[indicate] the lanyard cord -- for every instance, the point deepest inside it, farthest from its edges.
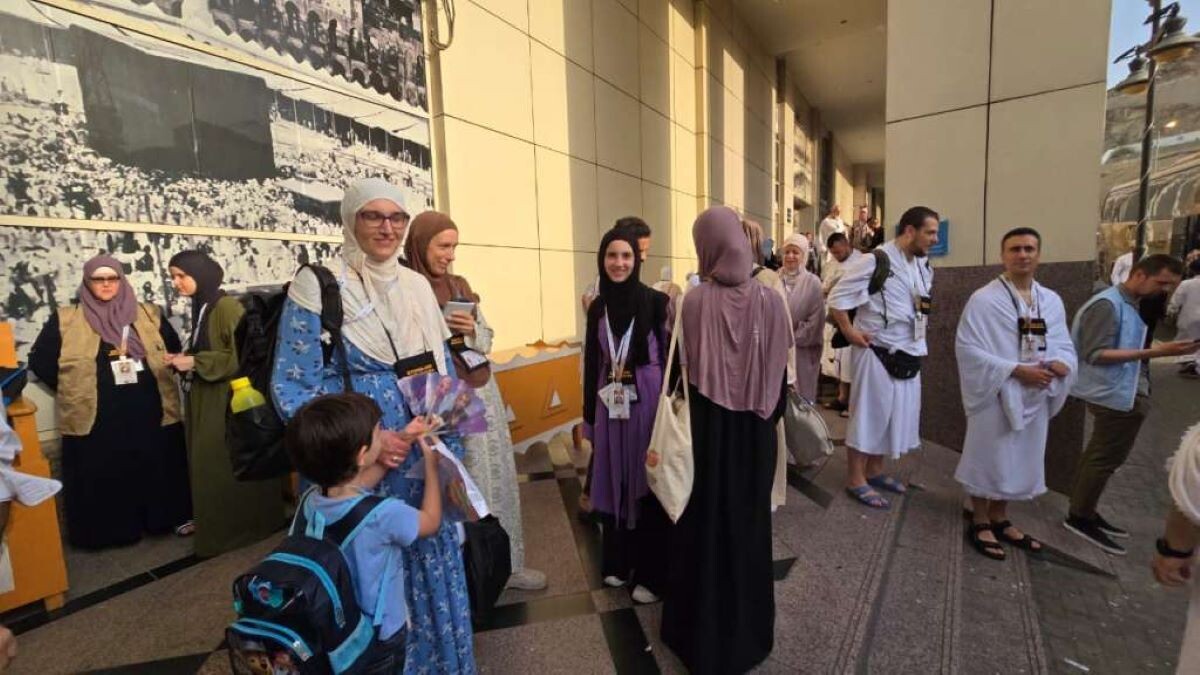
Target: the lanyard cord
(1037, 307)
(619, 354)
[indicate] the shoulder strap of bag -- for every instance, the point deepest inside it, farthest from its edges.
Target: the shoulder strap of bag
(342, 531)
(671, 353)
(333, 316)
(883, 268)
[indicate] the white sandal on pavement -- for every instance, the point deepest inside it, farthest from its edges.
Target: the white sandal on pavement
(527, 579)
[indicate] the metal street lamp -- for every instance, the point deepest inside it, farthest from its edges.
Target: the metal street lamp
(1168, 42)
(1138, 79)
(1174, 43)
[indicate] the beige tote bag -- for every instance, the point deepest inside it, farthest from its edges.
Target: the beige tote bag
(670, 467)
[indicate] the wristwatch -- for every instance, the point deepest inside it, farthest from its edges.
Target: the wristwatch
(1167, 552)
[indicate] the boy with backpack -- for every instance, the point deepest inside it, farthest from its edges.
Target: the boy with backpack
(341, 559)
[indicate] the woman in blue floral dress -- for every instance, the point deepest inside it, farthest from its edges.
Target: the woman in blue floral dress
(392, 327)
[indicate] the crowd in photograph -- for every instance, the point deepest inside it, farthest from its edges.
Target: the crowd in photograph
(743, 346)
(50, 170)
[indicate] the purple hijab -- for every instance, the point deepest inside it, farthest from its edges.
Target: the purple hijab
(110, 318)
(735, 331)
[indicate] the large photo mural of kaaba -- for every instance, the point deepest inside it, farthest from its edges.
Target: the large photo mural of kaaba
(374, 46)
(102, 124)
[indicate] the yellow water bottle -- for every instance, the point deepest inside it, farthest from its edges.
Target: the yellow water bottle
(244, 396)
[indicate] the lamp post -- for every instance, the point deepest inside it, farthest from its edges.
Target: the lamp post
(1167, 43)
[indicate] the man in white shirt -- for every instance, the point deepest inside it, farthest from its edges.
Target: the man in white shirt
(1121, 269)
(1185, 307)
(832, 224)
(887, 342)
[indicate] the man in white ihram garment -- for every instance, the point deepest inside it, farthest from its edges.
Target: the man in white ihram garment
(887, 342)
(1016, 365)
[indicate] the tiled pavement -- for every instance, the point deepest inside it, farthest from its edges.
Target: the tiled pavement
(856, 591)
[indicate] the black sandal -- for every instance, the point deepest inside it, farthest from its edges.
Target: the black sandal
(1025, 543)
(989, 549)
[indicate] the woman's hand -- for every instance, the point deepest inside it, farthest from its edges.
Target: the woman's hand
(395, 449)
(461, 323)
(181, 362)
(415, 429)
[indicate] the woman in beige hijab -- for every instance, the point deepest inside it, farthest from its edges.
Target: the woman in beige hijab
(429, 249)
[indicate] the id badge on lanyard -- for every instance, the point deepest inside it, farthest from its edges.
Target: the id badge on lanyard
(1033, 338)
(125, 370)
(617, 395)
(922, 308)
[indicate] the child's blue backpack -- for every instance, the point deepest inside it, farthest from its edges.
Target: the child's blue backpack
(297, 610)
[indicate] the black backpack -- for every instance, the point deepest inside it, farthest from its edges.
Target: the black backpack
(296, 609)
(883, 269)
(255, 436)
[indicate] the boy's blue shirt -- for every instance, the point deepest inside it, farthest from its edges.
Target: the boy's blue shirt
(374, 555)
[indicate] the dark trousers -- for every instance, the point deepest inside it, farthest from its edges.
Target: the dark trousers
(1113, 435)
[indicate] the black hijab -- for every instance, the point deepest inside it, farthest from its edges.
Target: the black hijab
(623, 302)
(208, 276)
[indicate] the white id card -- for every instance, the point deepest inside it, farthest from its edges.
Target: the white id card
(125, 370)
(472, 358)
(616, 399)
(1033, 348)
(920, 326)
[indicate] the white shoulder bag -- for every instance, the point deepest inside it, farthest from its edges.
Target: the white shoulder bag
(670, 467)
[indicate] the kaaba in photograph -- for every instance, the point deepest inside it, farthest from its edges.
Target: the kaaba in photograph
(156, 112)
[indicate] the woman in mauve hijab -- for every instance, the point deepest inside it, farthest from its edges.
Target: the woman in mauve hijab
(719, 613)
(124, 467)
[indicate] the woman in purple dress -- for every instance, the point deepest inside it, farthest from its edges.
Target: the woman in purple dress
(623, 361)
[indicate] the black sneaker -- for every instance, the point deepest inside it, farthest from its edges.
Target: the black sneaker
(1189, 371)
(1110, 529)
(1089, 530)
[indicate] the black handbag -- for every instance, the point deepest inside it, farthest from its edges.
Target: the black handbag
(13, 381)
(488, 563)
(900, 365)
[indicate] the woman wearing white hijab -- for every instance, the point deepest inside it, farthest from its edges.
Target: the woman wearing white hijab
(806, 306)
(392, 327)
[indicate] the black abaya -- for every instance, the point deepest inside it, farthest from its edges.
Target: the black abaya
(719, 613)
(129, 476)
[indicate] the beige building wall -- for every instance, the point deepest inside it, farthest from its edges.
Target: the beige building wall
(736, 134)
(553, 118)
(1007, 129)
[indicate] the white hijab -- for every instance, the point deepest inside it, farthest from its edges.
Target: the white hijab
(379, 298)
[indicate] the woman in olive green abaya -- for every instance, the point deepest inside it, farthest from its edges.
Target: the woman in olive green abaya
(229, 513)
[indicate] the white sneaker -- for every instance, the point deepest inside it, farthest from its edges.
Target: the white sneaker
(527, 579)
(614, 582)
(643, 596)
